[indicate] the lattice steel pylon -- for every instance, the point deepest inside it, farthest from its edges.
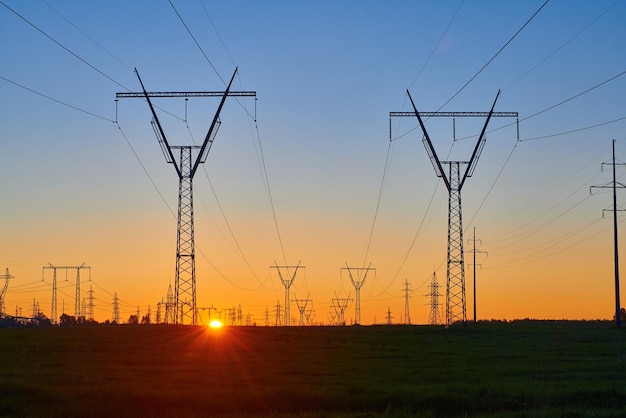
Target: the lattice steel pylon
(287, 282)
(3, 291)
(186, 165)
(434, 317)
(358, 284)
(454, 179)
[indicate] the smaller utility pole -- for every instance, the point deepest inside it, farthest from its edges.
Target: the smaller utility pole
(474, 251)
(614, 185)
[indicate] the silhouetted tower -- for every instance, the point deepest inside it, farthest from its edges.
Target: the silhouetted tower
(53, 310)
(614, 185)
(3, 292)
(308, 314)
(454, 178)
(267, 317)
(186, 165)
(277, 322)
(90, 305)
(357, 283)
(170, 303)
(158, 314)
(116, 309)
(434, 317)
(35, 308)
(287, 282)
(302, 304)
(388, 316)
(407, 291)
(340, 305)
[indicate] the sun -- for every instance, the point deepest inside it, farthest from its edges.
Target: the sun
(216, 323)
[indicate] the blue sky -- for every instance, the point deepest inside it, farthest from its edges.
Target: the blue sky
(326, 74)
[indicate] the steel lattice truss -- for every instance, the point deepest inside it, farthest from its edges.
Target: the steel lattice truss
(185, 283)
(455, 287)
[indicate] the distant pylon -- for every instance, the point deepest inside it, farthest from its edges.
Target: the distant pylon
(340, 305)
(170, 303)
(277, 322)
(53, 311)
(116, 309)
(434, 317)
(358, 283)
(90, 305)
(388, 316)
(407, 291)
(3, 292)
(287, 282)
(302, 307)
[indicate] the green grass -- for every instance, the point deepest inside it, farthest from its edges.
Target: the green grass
(520, 369)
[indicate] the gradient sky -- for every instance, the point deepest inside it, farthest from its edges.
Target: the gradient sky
(326, 74)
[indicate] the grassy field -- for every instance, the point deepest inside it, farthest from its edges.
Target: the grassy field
(519, 369)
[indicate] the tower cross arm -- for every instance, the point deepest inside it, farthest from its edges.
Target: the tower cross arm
(185, 94)
(455, 114)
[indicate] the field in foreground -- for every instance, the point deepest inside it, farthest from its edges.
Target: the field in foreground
(519, 369)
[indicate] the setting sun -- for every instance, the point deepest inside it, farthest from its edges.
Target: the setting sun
(216, 323)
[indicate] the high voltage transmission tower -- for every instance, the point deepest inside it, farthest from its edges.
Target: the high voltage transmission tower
(186, 164)
(358, 283)
(287, 282)
(434, 317)
(407, 291)
(340, 305)
(302, 308)
(454, 178)
(53, 310)
(90, 305)
(614, 185)
(474, 251)
(3, 292)
(115, 318)
(388, 316)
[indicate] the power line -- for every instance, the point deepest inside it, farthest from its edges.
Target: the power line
(196, 41)
(563, 44)
(87, 36)
(56, 100)
(574, 130)
(494, 57)
(217, 33)
(438, 43)
(63, 46)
